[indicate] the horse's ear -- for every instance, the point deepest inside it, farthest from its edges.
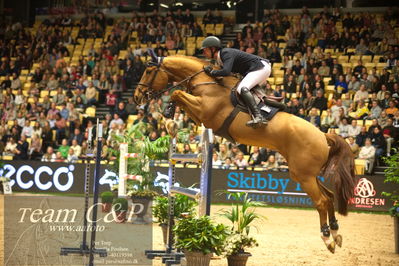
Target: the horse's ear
(154, 57)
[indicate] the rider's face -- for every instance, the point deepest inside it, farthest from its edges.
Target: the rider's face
(207, 52)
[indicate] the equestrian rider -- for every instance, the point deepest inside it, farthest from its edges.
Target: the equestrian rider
(254, 69)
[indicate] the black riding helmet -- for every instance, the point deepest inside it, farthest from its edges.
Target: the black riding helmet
(211, 41)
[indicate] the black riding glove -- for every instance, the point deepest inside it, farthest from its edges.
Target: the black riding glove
(208, 70)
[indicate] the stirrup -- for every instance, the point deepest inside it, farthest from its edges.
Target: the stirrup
(257, 122)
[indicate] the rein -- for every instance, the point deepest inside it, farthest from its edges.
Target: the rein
(149, 95)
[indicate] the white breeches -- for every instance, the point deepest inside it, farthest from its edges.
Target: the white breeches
(255, 77)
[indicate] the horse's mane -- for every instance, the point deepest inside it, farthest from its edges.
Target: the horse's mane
(226, 80)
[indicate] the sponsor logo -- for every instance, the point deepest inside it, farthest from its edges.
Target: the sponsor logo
(109, 178)
(43, 177)
(364, 195)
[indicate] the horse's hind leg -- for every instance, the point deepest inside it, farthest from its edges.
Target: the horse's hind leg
(331, 214)
(321, 202)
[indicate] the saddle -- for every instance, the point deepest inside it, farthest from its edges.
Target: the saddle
(269, 106)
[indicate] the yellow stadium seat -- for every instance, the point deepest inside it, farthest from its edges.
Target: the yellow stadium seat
(355, 58)
(343, 59)
(330, 88)
(193, 147)
(91, 111)
(10, 123)
(44, 93)
(369, 65)
(131, 118)
(381, 65)
(350, 50)
(366, 58)
(376, 58)
(190, 50)
(181, 52)
(279, 80)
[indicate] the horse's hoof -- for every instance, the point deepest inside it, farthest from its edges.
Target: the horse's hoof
(331, 247)
(338, 240)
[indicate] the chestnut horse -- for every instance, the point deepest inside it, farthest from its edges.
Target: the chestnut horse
(308, 151)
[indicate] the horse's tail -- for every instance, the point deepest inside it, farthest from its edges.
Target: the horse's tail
(340, 166)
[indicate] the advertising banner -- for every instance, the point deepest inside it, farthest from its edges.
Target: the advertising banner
(277, 189)
(36, 176)
(273, 188)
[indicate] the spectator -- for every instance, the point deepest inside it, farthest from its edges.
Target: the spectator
(22, 149)
(228, 164)
(324, 70)
(328, 121)
(340, 85)
(353, 85)
(390, 134)
(35, 150)
(367, 153)
(111, 100)
(271, 164)
(76, 135)
(72, 157)
(60, 127)
(354, 129)
(392, 109)
(320, 101)
(314, 117)
(256, 158)
(216, 162)
(375, 110)
(361, 94)
(361, 111)
(120, 110)
(354, 147)
(378, 141)
(76, 148)
(27, 130)
(91, 94)
(240, 161)
(59, 158)
(64, 148)
(344, 128)
(49, 156)
(10, 147)
(131, 107)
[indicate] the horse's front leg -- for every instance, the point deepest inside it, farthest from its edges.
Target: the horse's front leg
(191, 104)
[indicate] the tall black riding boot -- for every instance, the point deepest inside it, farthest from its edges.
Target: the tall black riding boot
(169, 111)
(249, 100)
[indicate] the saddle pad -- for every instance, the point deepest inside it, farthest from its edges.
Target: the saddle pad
(267, 111)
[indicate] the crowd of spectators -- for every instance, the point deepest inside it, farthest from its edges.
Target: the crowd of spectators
(47, 120)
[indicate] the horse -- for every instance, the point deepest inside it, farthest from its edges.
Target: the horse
(309, 152)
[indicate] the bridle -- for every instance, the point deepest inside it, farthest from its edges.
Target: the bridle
(149, 95)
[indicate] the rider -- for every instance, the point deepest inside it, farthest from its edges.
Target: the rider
(254, 69)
